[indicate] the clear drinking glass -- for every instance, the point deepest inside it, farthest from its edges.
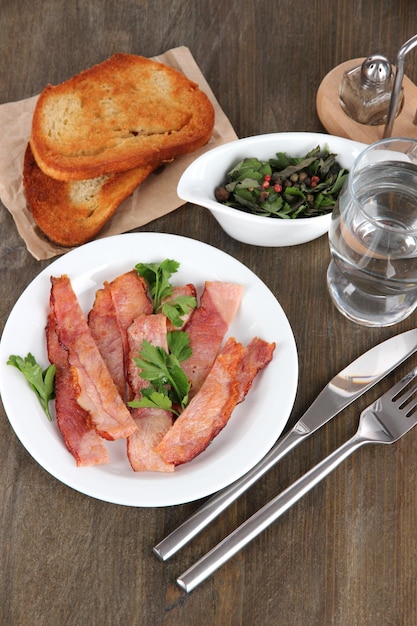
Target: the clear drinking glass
(372, 277)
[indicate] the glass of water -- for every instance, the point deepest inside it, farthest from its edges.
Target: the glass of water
(372, 277)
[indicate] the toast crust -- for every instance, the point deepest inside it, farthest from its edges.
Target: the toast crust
(125, 112)
(70, 213)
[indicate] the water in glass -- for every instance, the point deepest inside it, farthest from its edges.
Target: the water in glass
(372, 277)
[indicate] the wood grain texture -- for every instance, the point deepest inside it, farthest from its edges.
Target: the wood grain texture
(337, 122)
(345, 554)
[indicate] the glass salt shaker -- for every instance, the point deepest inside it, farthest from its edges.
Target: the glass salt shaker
(365, 91)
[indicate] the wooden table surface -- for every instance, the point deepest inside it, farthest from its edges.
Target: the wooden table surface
(346, 553)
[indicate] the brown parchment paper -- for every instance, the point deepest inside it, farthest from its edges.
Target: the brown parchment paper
(155, 197)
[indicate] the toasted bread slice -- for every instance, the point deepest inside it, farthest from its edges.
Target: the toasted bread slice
(73, 212)
(120, 114)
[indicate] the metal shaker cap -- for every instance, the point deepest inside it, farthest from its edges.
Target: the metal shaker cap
(376, 69)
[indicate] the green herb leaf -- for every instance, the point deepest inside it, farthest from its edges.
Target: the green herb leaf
(157, 277)
(153, 400)
(177, 308)
(163, 370)
(179, 344)
(41, 381)
(338, 183)
(295, 167)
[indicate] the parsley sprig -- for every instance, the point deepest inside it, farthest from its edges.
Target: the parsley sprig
(157, 276)
(41, 381)
(169, 386)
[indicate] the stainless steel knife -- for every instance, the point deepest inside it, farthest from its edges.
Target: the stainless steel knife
(344, 388)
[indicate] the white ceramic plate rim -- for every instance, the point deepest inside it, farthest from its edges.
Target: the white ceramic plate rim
(255, 424)
(201, 177)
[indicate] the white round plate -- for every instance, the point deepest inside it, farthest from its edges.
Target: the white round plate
(255, 424)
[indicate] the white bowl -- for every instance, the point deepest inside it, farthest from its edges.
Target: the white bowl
(200, 179)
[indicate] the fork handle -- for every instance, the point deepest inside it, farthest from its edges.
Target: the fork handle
(219, 502)
(254, 525)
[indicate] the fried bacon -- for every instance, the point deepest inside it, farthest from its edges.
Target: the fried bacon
(97, 372)
(115, 307)
(94, 387)
(226, 385)
(218, 306)
(208, 411)
(130, 300)
(152, 424)
(86, 446)
(258, 353)
(105, 331)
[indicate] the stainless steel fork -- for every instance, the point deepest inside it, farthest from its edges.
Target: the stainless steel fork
(384, 421)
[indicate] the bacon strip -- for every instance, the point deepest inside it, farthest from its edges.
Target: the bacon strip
(95, 389)
(258, 353)
(152, 424)
(105, 331)
(86, 446)
(209, 410)
(130, 300)
(218, 306)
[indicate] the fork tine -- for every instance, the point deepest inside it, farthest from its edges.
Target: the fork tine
(406, 396)
(409, 403)
(397, 391)
(395, 411)
(411, 410)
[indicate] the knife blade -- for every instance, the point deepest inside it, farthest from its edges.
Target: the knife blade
(348, 385)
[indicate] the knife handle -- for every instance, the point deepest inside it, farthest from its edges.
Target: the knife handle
(260, 520)
(219, 502)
